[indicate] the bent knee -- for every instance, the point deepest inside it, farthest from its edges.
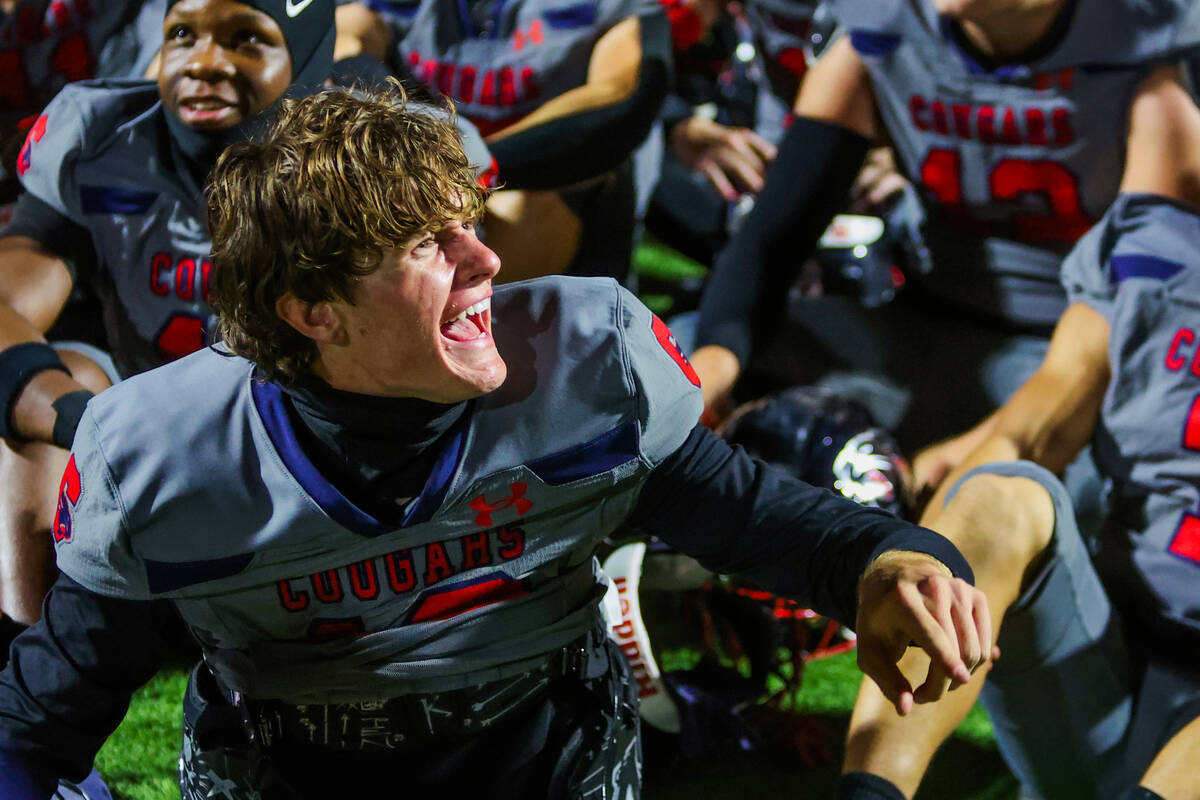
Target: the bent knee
(1001, 523)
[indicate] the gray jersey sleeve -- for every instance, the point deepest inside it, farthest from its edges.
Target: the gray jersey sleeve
(667, 386)
(46, 161)
(1141, 235)
(91, 537)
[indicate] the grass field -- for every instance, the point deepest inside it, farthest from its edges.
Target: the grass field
(139, 761)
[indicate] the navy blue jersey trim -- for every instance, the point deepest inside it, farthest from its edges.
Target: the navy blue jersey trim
(438, 482)
(874, 43)
(1122, 268)
(113, 200)
(606, 452)
(580, 15)
(166, 576)
(268, 399)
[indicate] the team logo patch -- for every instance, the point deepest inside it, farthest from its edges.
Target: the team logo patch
(516, 499)
(68, 496)
(667, 340)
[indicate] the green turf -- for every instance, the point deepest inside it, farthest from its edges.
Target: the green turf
(139, 760)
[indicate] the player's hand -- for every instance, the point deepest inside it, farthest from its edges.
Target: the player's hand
(718, 369)
(908, 598)
(931, 465)
(877, 181)
(733, 159)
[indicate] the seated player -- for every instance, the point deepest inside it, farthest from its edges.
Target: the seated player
(1098, 690)
(113, 174)
(563, 93)
(1012, 119)
(382, 532)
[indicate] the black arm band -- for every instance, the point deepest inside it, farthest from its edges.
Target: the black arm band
(809, 181)
(583, 145)
(865, 786)
(19, 365)
(70, 410)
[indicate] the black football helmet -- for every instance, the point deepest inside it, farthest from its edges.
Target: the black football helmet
(826, 440)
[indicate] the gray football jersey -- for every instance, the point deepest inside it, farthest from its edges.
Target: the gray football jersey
(1014, 163)
(296, 593)
(95, 156)
(1140, 268)
(498, 60)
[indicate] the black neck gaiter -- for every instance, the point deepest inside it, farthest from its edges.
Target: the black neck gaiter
(377, 450)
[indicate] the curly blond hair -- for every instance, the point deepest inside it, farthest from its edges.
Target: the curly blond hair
(308, 210)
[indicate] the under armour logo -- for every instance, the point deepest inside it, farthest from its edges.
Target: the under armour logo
(515, 500)
(293, 8)
(533, 37)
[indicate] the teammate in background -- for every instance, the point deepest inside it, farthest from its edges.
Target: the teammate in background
(1099, 687)
(113, 174)
(382, 534)
(724, 116)
(1013, 120)
(44, 45)
(563, 93)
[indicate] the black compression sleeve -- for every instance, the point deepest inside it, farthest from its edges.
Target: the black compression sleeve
(736, 515)
(806, 185)
(72, 675)
(591, 142)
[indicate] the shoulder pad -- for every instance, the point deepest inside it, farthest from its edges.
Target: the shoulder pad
(1151, 30)
(77, 125)
(1141, 236)
(91, 537)
(592, 341)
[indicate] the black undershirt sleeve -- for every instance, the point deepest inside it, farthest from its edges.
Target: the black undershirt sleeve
(809, 181)
(592, 142)
(69, 681)
(735, 514)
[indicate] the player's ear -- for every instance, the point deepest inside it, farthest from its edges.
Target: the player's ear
(317, 321)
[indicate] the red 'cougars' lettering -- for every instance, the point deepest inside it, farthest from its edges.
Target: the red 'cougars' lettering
(467, 83)
(434, 563)
(1183, 351)
(184, 276)
(993, 124)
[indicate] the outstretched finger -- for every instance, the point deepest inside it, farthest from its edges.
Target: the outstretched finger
(983, 622)
(716, 176)
(970, 648)
(935, 635)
